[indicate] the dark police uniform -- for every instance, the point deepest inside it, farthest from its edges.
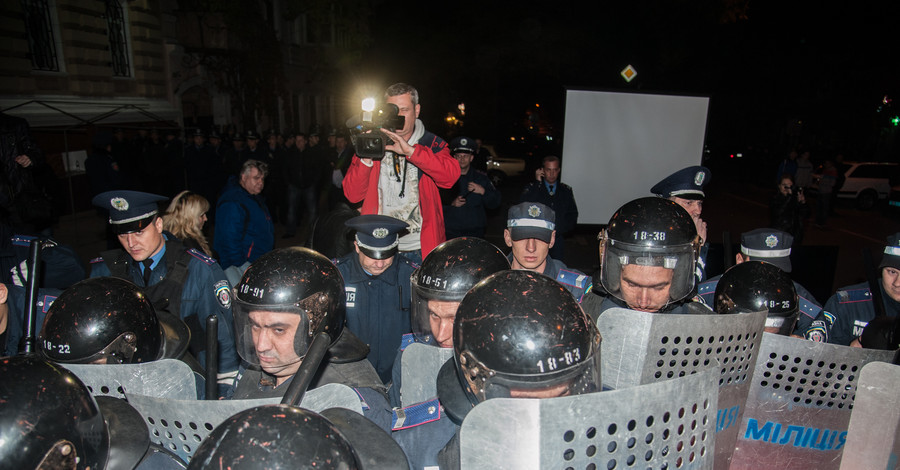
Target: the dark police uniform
(186, 283)
(470, 219)
(773, 247)
(851, 308)
(377, 306)
(561, 199)
(687, 183)
(422, 431)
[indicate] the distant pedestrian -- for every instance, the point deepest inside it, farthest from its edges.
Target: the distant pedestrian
(827, 184)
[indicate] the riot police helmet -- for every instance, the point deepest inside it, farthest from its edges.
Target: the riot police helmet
(649, 236)
(275, 436)
(109, 320)
(753, 286)
(443, 279)
(519, 334)
(48, 418)
(298, 291)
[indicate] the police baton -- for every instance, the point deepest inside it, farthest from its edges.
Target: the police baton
(872, 277)
(26, 346)
(212, 357)
(308, 368)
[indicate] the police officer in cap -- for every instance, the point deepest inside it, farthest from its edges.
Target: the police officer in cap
(851, 308)
(184, 282)
(755, 286)
(473, 193)
(685, 187)
(531, 233)
(377, 285)
(648, 256)
(773, 247)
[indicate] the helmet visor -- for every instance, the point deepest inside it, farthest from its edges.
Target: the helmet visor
(671, 267)
(273, 337)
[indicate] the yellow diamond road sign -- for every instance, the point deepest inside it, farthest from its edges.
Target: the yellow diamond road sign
(628, 73)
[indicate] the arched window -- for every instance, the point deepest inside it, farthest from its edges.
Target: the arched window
(43, 35)
(117, 31)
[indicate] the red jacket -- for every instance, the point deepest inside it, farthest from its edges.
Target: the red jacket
(438, 169)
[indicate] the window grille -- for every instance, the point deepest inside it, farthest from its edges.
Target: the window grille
(41, 41)
(118, 42)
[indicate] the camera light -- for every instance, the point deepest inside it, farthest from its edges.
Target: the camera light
(368, 104)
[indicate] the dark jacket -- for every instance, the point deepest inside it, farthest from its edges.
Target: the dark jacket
(244, 229)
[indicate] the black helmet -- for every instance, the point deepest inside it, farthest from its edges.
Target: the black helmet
(291, 280)
(275, 436)
(650, 231)
(48, 418)
(519, 334)
(112, 319)
(447, 273)
(753, 286)
(881, 333)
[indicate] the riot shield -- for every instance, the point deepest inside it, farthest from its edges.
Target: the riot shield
(669, 424)
(181, 425)
(799, 405)
(165, 378)
(872, 437)
(640, 348)
(420, 365)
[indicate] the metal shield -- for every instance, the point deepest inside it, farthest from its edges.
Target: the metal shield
(669, 424)
(873, 440)
(181, 425)
(165, 378)
(799, 406)
(420, 365)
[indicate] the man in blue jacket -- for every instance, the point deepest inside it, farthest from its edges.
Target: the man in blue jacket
(244, 229)
(473, 193)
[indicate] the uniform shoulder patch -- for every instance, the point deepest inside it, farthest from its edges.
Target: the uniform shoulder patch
(416, 415)
(21, 240)
(854, 295)
(406, 340)
(223, 293)
(96, 260)
(707, 287)
(408, 262)
(206, 259)
(572, 278)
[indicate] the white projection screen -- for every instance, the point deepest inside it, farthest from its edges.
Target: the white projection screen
(617, 145)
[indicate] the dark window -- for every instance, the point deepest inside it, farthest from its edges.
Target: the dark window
(41, 43)
(118, 43)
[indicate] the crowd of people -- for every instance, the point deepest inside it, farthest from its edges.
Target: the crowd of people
(415, 269)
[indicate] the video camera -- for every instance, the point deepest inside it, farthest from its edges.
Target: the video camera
(365, 129)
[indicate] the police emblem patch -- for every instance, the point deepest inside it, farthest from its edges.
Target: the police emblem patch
(119, 203)
(699, 177)
(223, 293)
(380, 232)
(534, 211)
(464, 141)
(771, 241)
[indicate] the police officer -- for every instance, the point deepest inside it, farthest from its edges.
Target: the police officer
(438, 286)
(283, 299)
(506, 331)
(850, 309)
(470, 196)
(648, 256)
(50, 420)
(754, 286)
(774, 247)
(377, 285)
(107, 320)
(685, 187)
(547, 189)
(531, 233)
(186, 283)
(282, 436)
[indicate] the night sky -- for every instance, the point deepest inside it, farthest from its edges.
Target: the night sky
(765, 65)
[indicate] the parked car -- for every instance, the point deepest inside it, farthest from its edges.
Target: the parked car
(500, 168)
(865, 182)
